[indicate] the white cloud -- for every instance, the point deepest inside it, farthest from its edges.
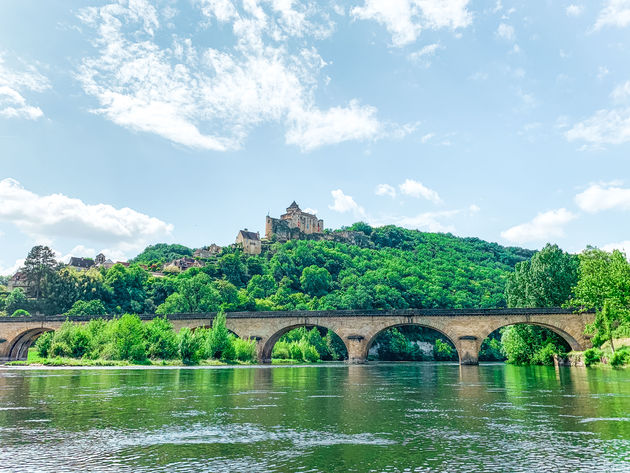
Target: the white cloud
(623, 246)
(615, 13)
(543, 227)
(11, 270)
(385, 189)
(429, 221)
(309, 210)
(425, 138)
(417, 189)
(574, 10)
(208, 98)
(621, 93)
(602, 71)
(422, 56)
(604, 127)
(13, 84)
(46, 217)
(405, 19)
(506, 32)
(345, 203)
(473, 208)
(600, 197)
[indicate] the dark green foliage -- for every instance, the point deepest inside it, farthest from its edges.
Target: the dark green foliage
(315, 281)
(592, 356)
(402, 344)
(302, 344)
(38, 265)
(491, 349)
(128, 338)
(162, 253)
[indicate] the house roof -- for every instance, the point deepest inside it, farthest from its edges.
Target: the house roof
(81, 262)
(249, 235)
(293, 206)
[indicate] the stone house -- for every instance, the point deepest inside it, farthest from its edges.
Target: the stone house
(249, 241)
(18, 280)
(207, 251)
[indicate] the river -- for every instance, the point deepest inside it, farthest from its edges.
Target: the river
(416, 417)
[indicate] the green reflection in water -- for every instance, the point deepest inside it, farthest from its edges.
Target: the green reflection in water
(378, 417)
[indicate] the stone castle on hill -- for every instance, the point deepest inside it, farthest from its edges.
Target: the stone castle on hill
(293, 224)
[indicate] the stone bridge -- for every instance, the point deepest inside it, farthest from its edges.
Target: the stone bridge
(465, 328)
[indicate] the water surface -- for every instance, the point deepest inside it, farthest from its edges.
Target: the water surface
(423, 417)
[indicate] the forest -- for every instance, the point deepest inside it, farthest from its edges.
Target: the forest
(400, 269)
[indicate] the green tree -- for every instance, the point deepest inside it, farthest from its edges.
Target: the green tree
(189, 345)
(544, 281)
(161, 340)
(87, 308)
(38, 265)
(604, 285)
(16, 300)
(128, 338)
(218, 344)
(315, 281)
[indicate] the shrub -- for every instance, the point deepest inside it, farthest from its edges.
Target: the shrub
(245, 350)
(218, 344)
(43, 343)
(127, 338)
(592, 356)
(620, 357)
(545, 355)
(59, 348)
(189, 346)
(161, 339)
(20, 313)
(295, 351)
(309, 353)
(443, 350)
(281, 351)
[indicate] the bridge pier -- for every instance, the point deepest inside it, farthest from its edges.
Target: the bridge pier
(468, 347)
(357, 349)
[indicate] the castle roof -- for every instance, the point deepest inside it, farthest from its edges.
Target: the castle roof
(294, 206)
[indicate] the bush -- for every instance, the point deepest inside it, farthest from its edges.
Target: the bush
(281, 351)
(59, 348)
(127, 338)
(189, 346)
(309, 353)
(545, 356)
(218, 343)
(620, 357)
(94, 307)
(592, 356)
(245, 350)
(443, 350)
(20, 313)
(43, 343)
(161, 339)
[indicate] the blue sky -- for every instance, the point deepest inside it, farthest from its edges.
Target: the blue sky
(126, 123)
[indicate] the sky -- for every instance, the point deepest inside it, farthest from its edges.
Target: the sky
(125, 123)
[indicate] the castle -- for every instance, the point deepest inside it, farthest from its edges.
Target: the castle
(293, 224)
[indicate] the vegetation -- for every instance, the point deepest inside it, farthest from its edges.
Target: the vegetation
(127, 338)
(303, 345)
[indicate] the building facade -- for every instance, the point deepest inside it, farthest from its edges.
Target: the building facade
(293, 224)
(249, 241)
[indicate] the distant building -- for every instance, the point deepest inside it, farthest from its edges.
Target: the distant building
(81, 263)
(184, 263)
(207, 251)
(18, 280)
(102, 262)
(293, 224)
(249, 241)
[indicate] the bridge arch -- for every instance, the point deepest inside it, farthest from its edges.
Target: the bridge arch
(569, 338)
(18, 347)
(267, 345)
(372, 338)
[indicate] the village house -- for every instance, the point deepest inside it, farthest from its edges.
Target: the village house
(249, 242)
(18, 280)
(184, 263)
(80, 263)
(207, 251)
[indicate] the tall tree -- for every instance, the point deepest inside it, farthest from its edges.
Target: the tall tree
(39, 265)
(604, 285)
(544, 281)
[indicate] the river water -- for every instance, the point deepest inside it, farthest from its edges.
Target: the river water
(421, 417)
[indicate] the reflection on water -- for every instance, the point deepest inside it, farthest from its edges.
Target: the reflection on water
(425, 417)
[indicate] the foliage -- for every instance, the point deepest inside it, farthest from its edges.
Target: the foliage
(189, 346)
(16, 300)
(444, 351)
(315, 281)
(491, 349)
(43, 343)
(128, 338)
(94, 307)
(244, 350)
(162, 253)
(544, 281)
(219, 344)
(621, 357)
(21, 313)
(38, 265)
(529, 344)
(161, 339)
(592, 356)
(604, 285)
